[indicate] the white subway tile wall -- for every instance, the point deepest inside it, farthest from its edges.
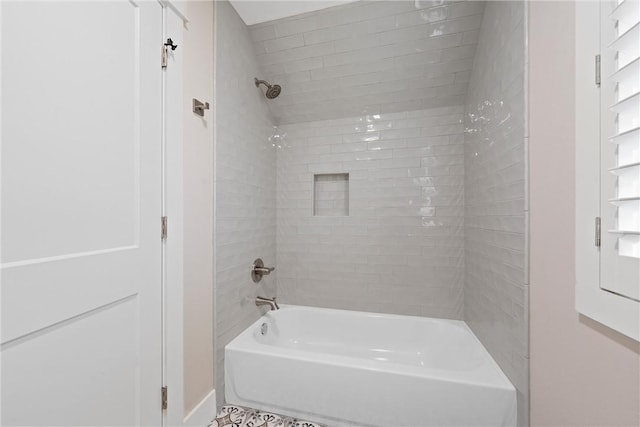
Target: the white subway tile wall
(245, 184)
(400, 249)
(369, 57)
(496, 291)
(331, 194)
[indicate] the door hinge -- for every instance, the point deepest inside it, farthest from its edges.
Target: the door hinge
(598, 72)
(164, 397)
(164, 228)
(598, 232)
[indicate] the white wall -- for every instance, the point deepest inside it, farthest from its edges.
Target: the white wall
(253, 12)
(495, 290)
(582, 373)
(245, 183)
(198, 205)
(400, 249)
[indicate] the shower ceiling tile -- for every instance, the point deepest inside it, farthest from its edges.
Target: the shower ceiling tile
(369, 58)
(283, 43)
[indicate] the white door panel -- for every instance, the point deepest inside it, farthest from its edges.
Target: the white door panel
(71, 118)
(81, 206)
(31, 294)
(103, 385)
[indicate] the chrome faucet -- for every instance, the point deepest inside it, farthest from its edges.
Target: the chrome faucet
(271, 302)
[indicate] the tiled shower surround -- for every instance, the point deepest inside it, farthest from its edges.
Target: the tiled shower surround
(400, 249)
(421, 103)
(245, 184)
(496, 291)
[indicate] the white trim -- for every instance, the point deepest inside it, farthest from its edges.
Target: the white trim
(173, 283)
(203, 413)
(1, 103)
(177, 7)
(614, 311)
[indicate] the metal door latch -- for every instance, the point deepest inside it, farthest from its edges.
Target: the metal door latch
(171, 44)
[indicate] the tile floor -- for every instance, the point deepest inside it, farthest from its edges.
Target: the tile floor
(237, 416)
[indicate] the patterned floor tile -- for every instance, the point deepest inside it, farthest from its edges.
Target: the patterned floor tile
(233, 416)
(237, 416)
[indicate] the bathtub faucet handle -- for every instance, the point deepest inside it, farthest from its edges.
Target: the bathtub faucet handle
(258, 270)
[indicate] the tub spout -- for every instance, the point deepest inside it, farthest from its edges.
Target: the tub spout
(271, 302)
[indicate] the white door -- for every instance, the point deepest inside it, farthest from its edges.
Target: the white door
(81, 205)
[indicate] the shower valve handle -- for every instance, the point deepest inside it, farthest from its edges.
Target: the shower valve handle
(258, 270)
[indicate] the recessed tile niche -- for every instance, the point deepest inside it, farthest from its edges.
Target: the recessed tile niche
(331, 194)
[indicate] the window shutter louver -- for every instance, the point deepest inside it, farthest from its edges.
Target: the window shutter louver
(620, 147)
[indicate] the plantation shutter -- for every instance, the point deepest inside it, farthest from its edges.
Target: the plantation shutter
(620, 147)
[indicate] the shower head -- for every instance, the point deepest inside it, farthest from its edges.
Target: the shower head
(272, 90)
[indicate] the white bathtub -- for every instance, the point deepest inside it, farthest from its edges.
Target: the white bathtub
(351, 368)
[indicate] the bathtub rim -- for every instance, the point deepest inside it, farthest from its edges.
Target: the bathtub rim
(245, 342)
